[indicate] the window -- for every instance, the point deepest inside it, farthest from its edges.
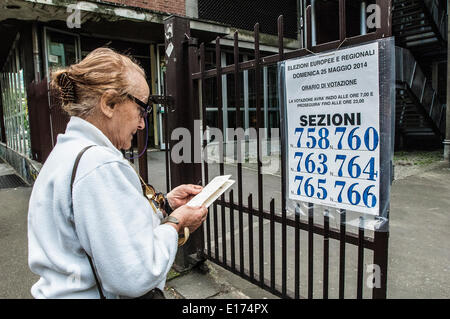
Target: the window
(62, 49)
(14, 101)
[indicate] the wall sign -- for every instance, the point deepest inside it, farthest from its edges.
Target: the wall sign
(333, 128)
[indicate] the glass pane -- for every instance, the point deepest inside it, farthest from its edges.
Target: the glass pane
(272, 87)
(61, 50)
(210, 97)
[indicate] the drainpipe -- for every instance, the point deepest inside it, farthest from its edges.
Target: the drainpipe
(363, 27)
(37, 67)
(447, 125)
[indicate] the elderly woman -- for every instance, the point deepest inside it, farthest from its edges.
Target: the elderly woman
(102, 236)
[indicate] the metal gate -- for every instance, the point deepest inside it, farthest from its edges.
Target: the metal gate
(244, 235)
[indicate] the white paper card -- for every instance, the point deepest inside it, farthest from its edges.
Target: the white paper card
(212, 191)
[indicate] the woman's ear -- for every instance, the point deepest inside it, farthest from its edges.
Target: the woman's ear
(107, 102)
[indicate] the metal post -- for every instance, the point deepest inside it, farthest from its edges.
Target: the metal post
(380, 259)
(363, 18)
(154, 82)
(141, 138)
(182, 61)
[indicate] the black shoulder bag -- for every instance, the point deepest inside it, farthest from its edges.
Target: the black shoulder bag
(152, 294)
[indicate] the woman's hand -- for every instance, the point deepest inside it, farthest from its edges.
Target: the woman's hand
(191, 217)
(182, 194)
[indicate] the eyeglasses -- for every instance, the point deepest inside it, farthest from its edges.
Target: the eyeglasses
(144, 108)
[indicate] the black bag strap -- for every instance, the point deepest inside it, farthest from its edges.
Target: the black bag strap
(74, 172)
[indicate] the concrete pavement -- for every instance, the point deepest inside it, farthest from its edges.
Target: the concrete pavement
(419, 245)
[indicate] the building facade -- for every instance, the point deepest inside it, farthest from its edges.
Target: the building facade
(41, 35)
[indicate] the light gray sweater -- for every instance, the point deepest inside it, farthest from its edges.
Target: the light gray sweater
(111, 220)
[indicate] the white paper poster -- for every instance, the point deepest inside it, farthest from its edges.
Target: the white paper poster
(333, 111)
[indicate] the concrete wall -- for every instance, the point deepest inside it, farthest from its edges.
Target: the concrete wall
(25, 167)
(169, 6)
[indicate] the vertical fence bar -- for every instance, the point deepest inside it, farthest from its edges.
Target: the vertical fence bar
(232, 248)
(326, 251)
(359, 289)
(239, 146)
(280, 26)
(219, 106)
(297, 254)
(241, 242)
(208, 234)
(237, 96)
(342, 21)
(258, 149)
(205, 142)
(310, 249)
(203, 84)
(216, 234)
(220, 125)
(237, 99)
(261, 247)
(224, 235)
(250, 236)
(283, 171)
(272, 245)
(283, 252)
(342, 232)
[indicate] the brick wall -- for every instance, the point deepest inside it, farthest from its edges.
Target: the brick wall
(169, 6)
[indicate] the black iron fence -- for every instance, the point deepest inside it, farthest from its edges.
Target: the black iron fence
(252, 239)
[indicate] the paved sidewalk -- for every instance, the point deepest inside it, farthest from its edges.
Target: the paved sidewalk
(419, 246)
(218, 283)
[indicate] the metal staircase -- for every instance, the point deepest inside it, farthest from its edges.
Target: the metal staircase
(418, 109)
(420, 30)
(420, 26)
